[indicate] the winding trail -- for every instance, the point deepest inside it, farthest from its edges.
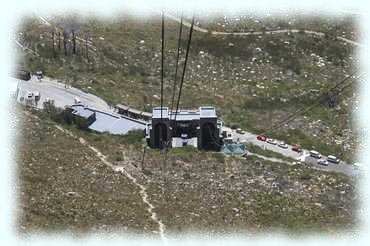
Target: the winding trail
(273, 159)
(251, 33)
(143, 191)
(254, 33)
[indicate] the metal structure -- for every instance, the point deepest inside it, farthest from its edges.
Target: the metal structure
(200, 128)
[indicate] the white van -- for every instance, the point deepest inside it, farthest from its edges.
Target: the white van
(37, 95)
(315, 154)
(77, 100)
(333, 159)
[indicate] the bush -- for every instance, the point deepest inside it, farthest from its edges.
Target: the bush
(56, 114)
(133, 137)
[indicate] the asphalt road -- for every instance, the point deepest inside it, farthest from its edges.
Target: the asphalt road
(304, 156)
(58, 92)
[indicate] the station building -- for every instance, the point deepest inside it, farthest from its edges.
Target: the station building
(199, 128)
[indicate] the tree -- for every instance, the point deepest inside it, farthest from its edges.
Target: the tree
(65, 37)
(73, 42)
(59, 42)
(53, 41)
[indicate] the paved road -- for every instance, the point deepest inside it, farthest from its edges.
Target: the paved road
(61, 95)
(304, 157)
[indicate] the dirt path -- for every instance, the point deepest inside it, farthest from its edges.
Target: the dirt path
(121, 169)
(273, 159)
(280, 31)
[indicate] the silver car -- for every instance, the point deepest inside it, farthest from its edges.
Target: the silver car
(271, 141)
(283, 145)
(323, 162)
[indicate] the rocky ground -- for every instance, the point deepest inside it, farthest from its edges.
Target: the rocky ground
(195, 191)
(64, 186)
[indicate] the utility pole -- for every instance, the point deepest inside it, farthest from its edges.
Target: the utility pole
(53, 41)
(65, 43)
(58, 41)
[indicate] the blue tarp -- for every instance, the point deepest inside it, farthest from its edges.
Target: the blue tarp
(234, 149)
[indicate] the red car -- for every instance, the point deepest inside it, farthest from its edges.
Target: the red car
(297, 148)
(261, 137)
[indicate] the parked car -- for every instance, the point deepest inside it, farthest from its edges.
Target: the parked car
(271, 141)
(296, 148)
(315, 154)
(29, 95)
(39, 74)
(333, 159)
(240, 131)
(77, 100)
(283, 145)
(37, 95)
(261, 137)
(323, 162)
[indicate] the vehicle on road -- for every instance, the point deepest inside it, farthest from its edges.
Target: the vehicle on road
(240, 131)
(39, 74)
(261, 137)
(283, 145)
(323, 162)
(37, 95)
(315, 154)
(296, 148)
(333, 159)
(271, 141)
(29, 95)
(77, 100)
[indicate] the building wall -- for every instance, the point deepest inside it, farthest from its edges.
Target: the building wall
(155, 133)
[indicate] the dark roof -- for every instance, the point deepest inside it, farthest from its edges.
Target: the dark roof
(121, 106)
